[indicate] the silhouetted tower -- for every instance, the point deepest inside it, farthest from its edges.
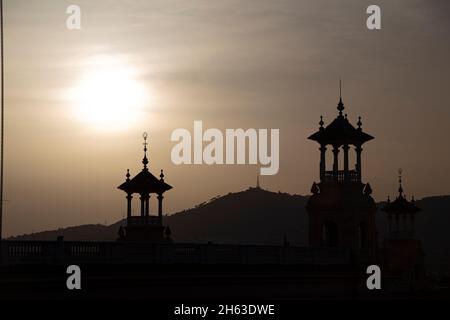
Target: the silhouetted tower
(403, 253)
(145, 227)
(401, 214)
(341, 209)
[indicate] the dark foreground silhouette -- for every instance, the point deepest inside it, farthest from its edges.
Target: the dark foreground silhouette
(267, 218)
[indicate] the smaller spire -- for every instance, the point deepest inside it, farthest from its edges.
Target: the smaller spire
(128, 175)
(315, 189)
(368, 189)
(359, 123)
(400, 188)
(321, 123)
(161, 176)
(340, 106)
(145, 160)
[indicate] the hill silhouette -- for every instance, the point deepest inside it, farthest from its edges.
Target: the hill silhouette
(254, 216)
(85, 232)
(258, 216)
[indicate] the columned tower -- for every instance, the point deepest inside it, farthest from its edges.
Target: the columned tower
(144, 227)
(402, 251)
(341, 209)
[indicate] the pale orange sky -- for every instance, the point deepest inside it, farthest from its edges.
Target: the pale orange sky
(231, 64)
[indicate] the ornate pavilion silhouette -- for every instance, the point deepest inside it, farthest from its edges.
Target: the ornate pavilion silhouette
(402, 251)
(403, 213)
(144, 227)
(341, 209)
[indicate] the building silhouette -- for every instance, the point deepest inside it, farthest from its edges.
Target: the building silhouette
(144, 227)
(342, 240)
(401, 214)
(341, 209)
(402, 252)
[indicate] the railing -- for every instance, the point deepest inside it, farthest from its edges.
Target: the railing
(143, 220)
(351, 174)
(64, 252)
(26, 249)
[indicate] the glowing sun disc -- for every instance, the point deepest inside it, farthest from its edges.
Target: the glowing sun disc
(109, 98)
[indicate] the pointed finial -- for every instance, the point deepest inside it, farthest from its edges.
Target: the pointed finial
(359, 124)
(340, 106)
(162, 175)
(314, 188)
(321, 123)
(128, 175)
(145, 160)
(145, 135)
(368, 189)
(400, 188)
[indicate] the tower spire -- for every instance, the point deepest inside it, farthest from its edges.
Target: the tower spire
(145, 160)
(340, 106)
(258, 186)
(359, 124)
(400, 188)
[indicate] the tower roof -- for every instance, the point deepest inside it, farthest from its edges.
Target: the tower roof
(401, 204)
(340, 131)
(144, 181)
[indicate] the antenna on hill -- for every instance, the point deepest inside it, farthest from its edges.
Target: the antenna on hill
(258, 185)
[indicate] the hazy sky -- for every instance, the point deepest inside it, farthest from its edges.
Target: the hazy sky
(231, 64)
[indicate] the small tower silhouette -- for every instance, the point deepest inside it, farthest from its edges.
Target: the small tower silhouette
(341, 208)
(401, 214)
(144, 227)
(402, 251)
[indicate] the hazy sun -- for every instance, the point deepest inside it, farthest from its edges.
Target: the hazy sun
(108, 97)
